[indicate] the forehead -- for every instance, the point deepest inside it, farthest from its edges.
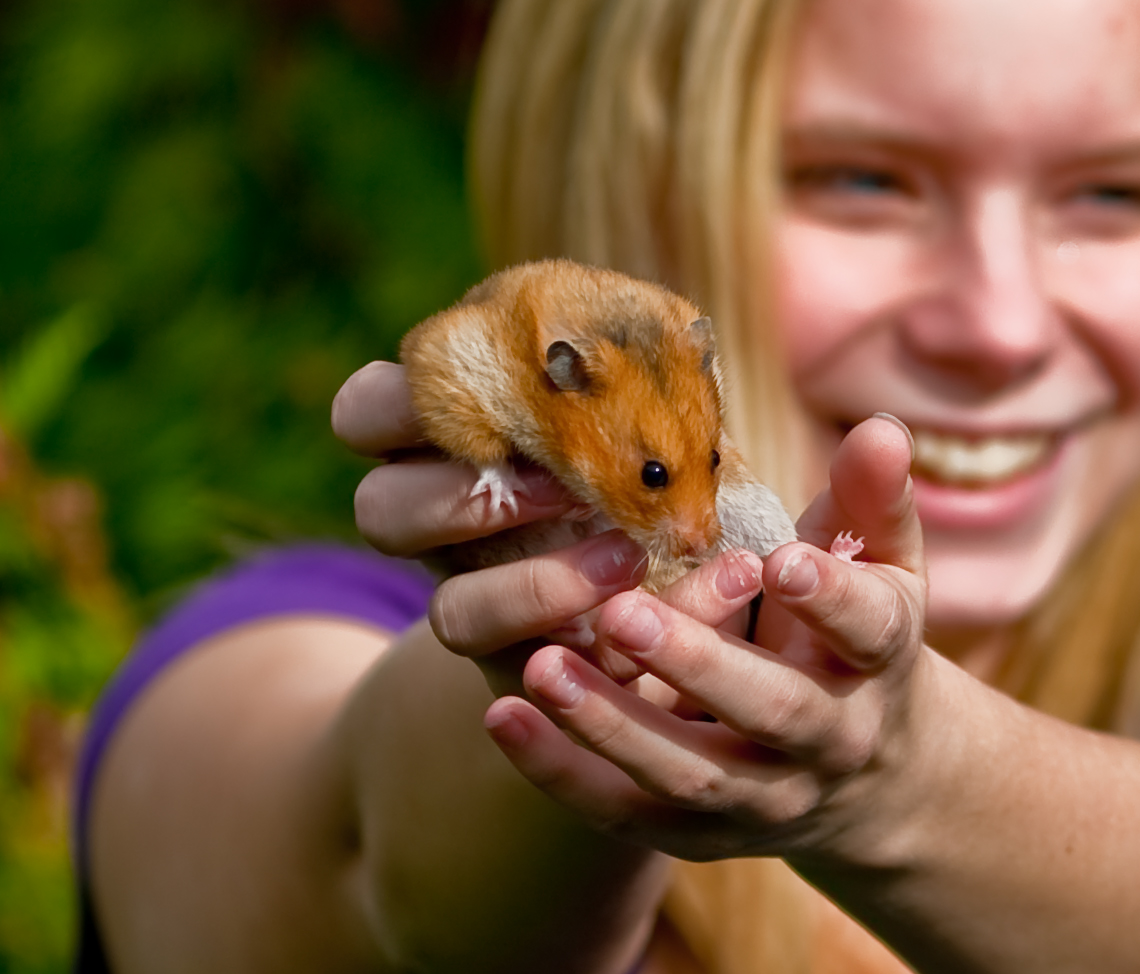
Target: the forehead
(984, 72)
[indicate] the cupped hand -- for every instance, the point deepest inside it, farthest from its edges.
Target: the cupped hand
(417, 502)
(800, 735)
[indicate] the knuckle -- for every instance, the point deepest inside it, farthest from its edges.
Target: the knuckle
(448, 617)
(346, 404)
(694, 665)
(702, 785)
(553, 778)
(338, 412)
(342, 411)
(784, 713)
(608, 731)
(794, 803)
(895, 631)
(844, 594)
(372, 508)
(873, 615)
(545, 592)
(852, 752)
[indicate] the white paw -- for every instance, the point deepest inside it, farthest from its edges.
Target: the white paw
(501, 485)
(845, 548)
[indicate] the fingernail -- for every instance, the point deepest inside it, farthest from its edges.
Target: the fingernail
(611, 559)
(637, 628)
(901, 425)
(799, 576)
(559, 685)
(542, 489)
(739, 575)
(506, 729)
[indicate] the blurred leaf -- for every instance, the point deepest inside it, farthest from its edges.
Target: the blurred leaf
(36, 383)
(237, 214)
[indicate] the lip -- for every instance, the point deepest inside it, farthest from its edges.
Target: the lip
(990, 507)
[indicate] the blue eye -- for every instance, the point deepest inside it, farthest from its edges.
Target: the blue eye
(654, 474)
(864, 181)
(1110, 195)
(850, 179)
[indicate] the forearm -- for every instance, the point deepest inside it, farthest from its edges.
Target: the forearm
(1011, 844)
(465, 865)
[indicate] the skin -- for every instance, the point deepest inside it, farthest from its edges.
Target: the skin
(970, 833)
(958, 251)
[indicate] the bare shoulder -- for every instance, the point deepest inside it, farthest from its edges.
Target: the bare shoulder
(221, 831)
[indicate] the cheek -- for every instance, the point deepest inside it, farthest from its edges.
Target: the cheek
(831, 287)
(1100, 292)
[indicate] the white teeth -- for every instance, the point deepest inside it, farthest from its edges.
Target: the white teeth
(954, 459)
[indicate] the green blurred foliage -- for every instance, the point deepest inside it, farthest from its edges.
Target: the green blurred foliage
(219, 220)
(212, 216)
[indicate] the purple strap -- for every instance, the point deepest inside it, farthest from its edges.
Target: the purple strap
(313, 579)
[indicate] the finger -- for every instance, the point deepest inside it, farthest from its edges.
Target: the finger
(405, 509)
(753, 691)
(372, 413)
(694, 765)
(483, 611)
(716, 591)
(868, 615)
(871, 495)
(711, 594)
(582, 781)
(602, 794)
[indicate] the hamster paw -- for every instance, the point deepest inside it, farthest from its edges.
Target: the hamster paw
(845, 548)
(501, 485)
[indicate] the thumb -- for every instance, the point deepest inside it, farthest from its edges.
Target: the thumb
(871, 495)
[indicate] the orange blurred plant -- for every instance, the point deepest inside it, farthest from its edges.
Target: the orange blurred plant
(64, 625)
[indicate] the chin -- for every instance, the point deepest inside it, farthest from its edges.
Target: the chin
(989, 585)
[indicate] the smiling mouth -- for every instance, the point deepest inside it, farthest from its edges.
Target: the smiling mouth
(979, 461)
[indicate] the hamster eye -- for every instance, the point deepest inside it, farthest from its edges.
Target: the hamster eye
(715, 460)
(654, 474)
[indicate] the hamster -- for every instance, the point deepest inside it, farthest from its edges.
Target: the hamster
(613, 386)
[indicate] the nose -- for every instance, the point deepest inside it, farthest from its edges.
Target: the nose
(989, 323)
(694, 536)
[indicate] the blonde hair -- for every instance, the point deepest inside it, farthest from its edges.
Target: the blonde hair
(643, 135)
(636, 135)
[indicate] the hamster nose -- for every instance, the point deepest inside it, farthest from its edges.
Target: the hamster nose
(692, 540)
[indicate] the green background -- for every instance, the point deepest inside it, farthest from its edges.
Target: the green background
(212, 213)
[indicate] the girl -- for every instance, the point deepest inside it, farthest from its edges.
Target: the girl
(923, 207)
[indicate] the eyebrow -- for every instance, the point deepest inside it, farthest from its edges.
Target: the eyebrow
(892, 140)
(884, 139)
(852, 132)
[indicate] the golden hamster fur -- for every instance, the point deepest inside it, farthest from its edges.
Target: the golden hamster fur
(610, 383)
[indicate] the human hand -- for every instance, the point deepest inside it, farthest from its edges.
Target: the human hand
(811, 724)
(418, 502)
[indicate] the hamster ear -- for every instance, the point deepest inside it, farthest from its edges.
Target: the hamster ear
(701, 332)
(567, 368)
